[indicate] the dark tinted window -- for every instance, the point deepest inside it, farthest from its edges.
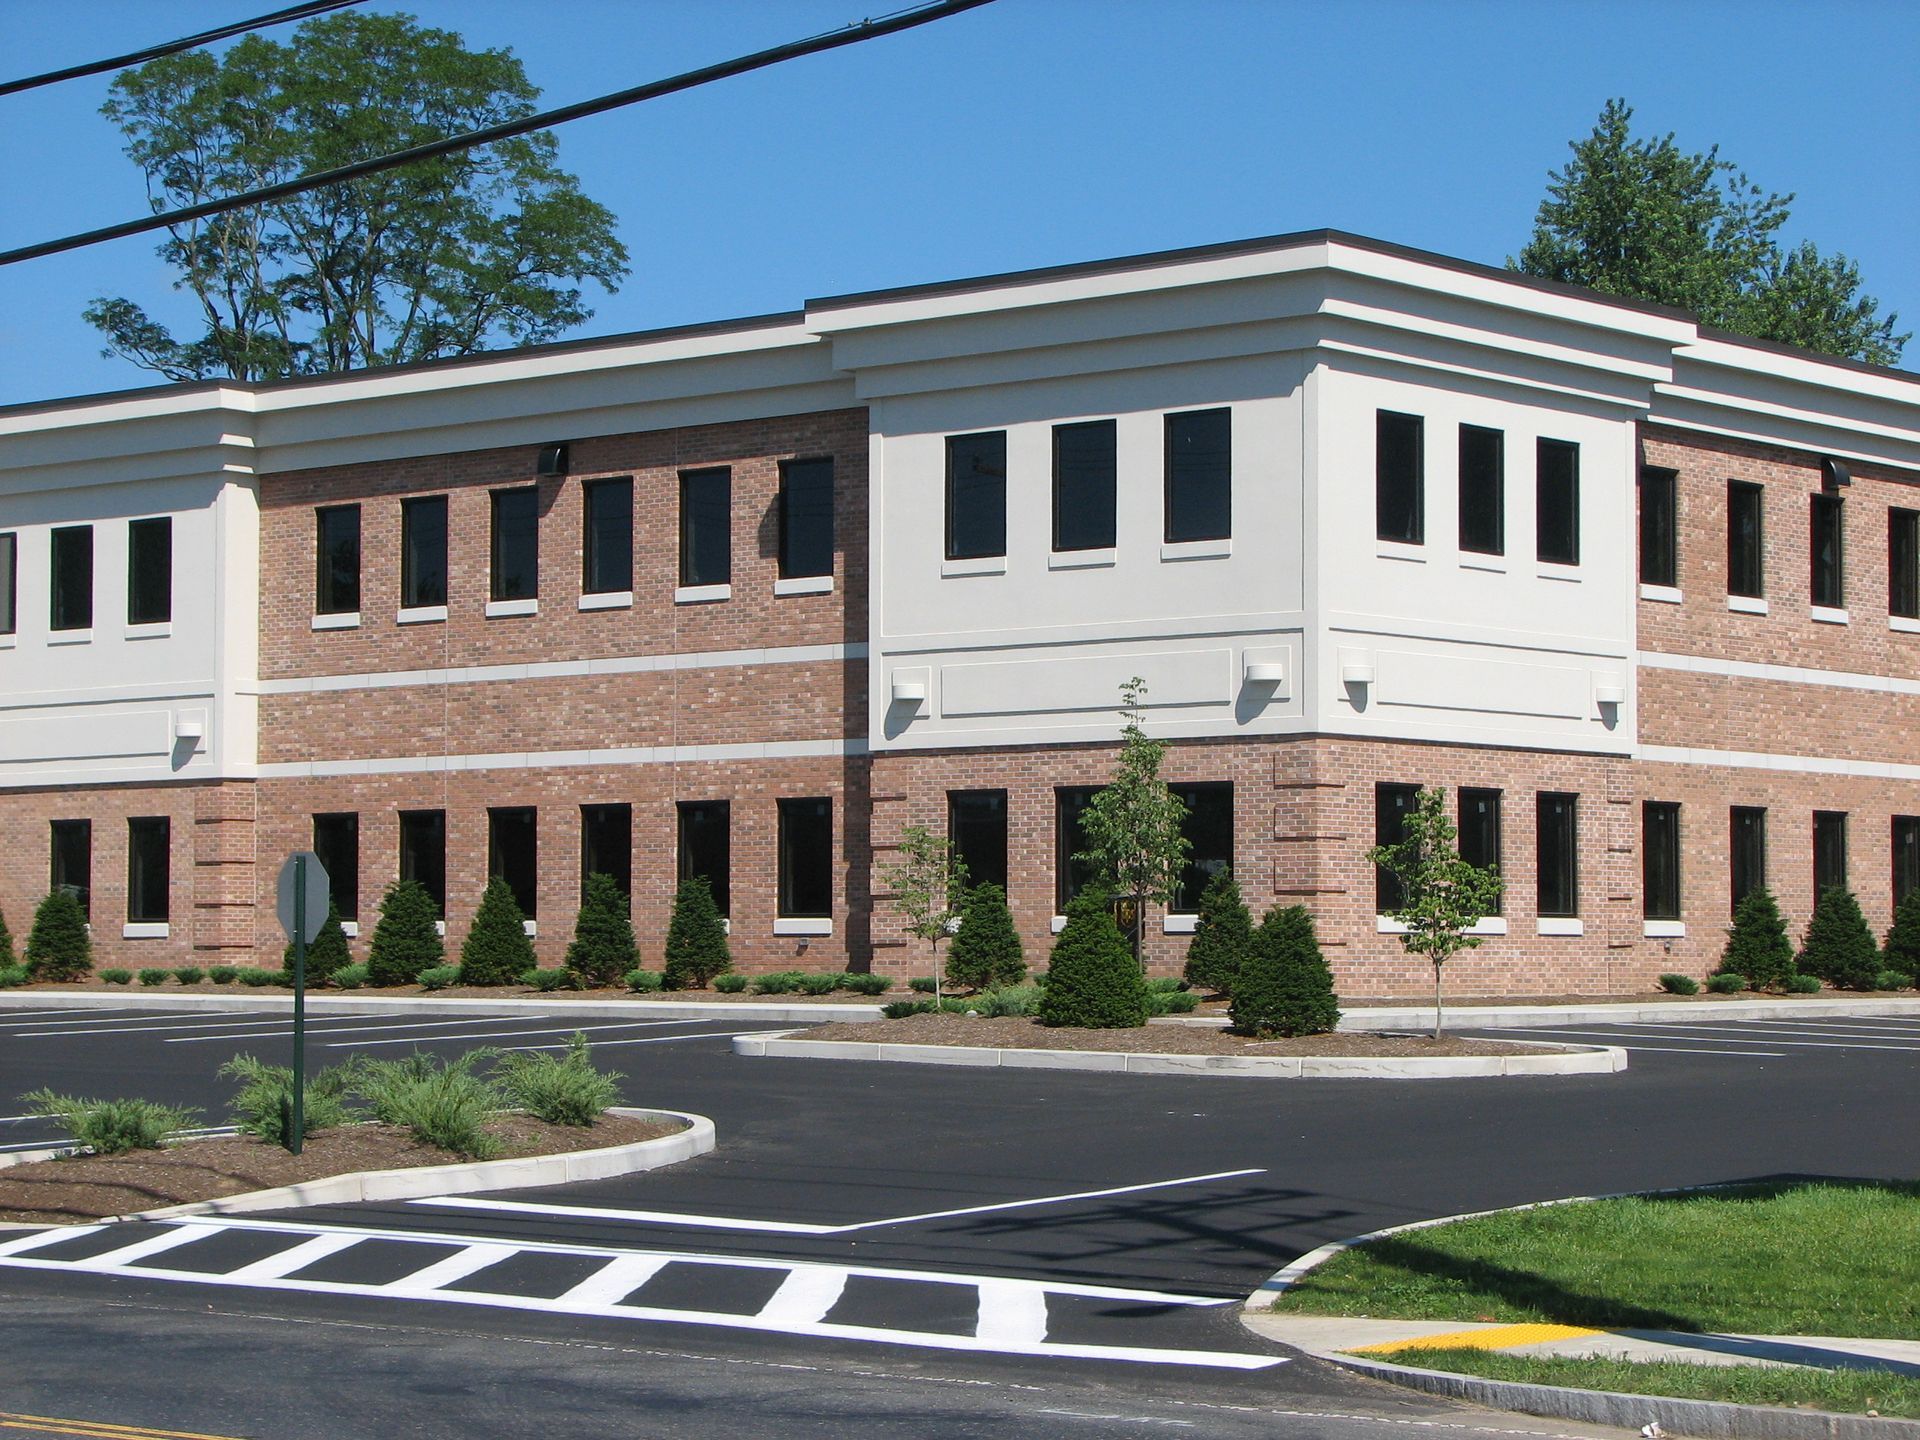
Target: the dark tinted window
(336, 560)
(606, 844)
(706, 848)
(9, 582)
(1200, 475)
(1399, 477)
(1827, 549)
(806, 518)
(1903, 563)
(1659, 527)
(1829, 850)
(1745, 570)
(1747, 850)
(706, 520)
(1906, 856)
(1084, 461)
(149, 571)
(976, 495)
(72, 868)
(609, 548)
(1480, 831)
(147, 869)
(72, 578)
(423, 551)
(1558, 854)
(977, 829)
(423, 852)
(513, 854)
(806, 858)
(336, 840)
(1209, 830)
(1483, 490)
(1557, 496)
(516, 544)
(1391, 806)
(1070, 876)
(1660, 860)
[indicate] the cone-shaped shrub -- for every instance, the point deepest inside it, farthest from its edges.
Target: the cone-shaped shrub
(497, 951)
(986, 951)
(1758, 947)
(1093, 980)
(696, 940)
(1222, 936)
(407, 938)
(1839, 947)
(7, 960)
(1903, 940)
(602, 951)
(58, 947)
(1285, 988)
(326, 954)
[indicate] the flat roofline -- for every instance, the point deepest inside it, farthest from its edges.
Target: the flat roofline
(1801, 352)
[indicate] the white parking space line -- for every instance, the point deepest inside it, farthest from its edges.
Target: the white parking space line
(9, 1018)
(661, 1039)
(1747, 1038)
(468, 1260)
(297, 1257)
(226, 1029)
(1011, 1314)
(1773, 1029)
(809, 1292)
(620, 1278)
(286, 1028)
(509, 1034)
(1897, 1028)
(1625, 1042)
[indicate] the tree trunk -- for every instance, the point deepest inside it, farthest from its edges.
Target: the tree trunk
(1437, 1013)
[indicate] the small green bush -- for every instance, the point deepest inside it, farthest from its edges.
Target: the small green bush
(189, 974)
(547, 981)
(1839, 948)
(14, 975)
(1893, 980)
(1222, 936)
(348, 977)
(223, 974)
(1725, 982)
(813, 984)
(1094, 982)
(264, 1106)
(1757, 946)
(985, 951)
(1010, 1000)
(443, 1103)
(1676, 984)
(1164, 983)
(644, 981)
(1803, 985)
(116, 976)
(1285, 988)
(257, 977)
(154, 975)
(8, 960)
(566, 1090)
(900, 1009)
(780, 982)
(440, 977)
(921, 984)
(327, 953)
(406, 939)
(863, 984)
(730, 984)
(602, 950)
(111, 1127)
(1902, 952)
(696, 950)
(1172, 1002)
(497, 950)
(58, 947)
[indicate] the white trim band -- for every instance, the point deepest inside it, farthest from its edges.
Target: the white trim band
(566, 759)
(1794, 764)
(1786, 674)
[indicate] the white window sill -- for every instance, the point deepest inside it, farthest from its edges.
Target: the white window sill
(496, 609)
(1081, 559)
(975, 565)
(608, 600)
(346, 621)
(701, 594)
(1903, 624)
(1059, 923)
(70, 637)
(1387, 925)
(1179, 924)
(145, 930)
(1491, 925)
(531, 927)
(7, 642)
(158, 630)
(1560, 925)
(350, 929)
(726, 925)
(421, 615)
(1197, 549)
(440, 928)
(1663, 929)
(1400, 550)
(1552, 570)
(1746, 604)
(1490, 564)
(803, 925)
(1827, 615)
(804, 585)
(1663, 594)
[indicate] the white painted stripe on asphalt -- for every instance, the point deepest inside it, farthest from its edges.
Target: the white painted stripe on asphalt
(40, 1239)
(1773, 1029)
(808, 1293)
(509, 1034)
(1769, 1037)
(10, 1018)
(1011, 1314)
(1056, 1199)
(123, 1255)
(664, 1039)
(296, 1257)
(468, 1260)
(1897, 1028)
(285, 1028)
(224, 1027)
(618, 1279)
(1622, 1044)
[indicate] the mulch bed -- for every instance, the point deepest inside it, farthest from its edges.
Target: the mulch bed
(1016, 1032)
(93, 1187)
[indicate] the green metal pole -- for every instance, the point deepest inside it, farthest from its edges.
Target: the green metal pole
(299, 1130)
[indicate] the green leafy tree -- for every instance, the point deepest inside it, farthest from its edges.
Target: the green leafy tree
(929, 882)
(496, 950)
(1757, 945)
(1093, 981)
(1839, 947)
(1644, 219)
(1285, 987)
(1903, 940)
(448, 256)
(328, 952)
(406, 939)
(1442, 896)
(602, 950)
(1135, 827)
(1222, 936)
(696, 940)
(985, 951)
(58, 946)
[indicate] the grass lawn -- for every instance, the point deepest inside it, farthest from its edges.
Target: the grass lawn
(1813, 1258)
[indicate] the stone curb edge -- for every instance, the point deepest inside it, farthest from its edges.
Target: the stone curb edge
(330, 1003)
(1586, 1060)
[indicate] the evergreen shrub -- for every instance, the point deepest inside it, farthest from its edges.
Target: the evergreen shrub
(12, 976)
(1285, 988)
(1675, 984)
(222, 974)
(1903, 940)
(58, 947)
(189, 974)
(1802, 985)
(1222, 936)
(644, 982)
(348, 977)
(985, 952)
(7, 958)
(557, 978)
(1839, 947)
(730, 984)
(602, 950)
(406, 940)
(1757, 947)
(1093, 980)
(697, 949)
(497, 950)
(865, 984)
(327, 953)
(1893, 980)
(1729, 982)
(440, 977)
(154, 975)
(116, 976)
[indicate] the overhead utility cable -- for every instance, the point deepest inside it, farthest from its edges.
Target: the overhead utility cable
(546, 119)
(173, 47)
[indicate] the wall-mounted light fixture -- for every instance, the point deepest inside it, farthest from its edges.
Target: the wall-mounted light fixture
(1833, 474)
(552, 461)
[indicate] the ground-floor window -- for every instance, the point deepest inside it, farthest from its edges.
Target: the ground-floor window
(1747, 850)
(1209, 832)
(1660, 860)
(606, 844)
(706, 848)
(149, 840)
(1558, 850)
(1391, 806)
(1829, 851)
(1070, 874)
(806, 859)
(1480, 832)
(72, 868)
(336, 840)
(423, 852)
(513, 854)
(977, 830)
(1906, 856)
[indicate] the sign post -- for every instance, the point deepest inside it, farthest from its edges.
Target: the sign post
(302, 907)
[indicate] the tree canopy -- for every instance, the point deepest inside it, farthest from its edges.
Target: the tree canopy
(465, 252)
(1642, 218)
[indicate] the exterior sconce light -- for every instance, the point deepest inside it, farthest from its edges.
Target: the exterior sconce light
(1833, 474)
(552, 461)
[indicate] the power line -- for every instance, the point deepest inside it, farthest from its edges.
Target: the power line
(173, 47)
(546, 119)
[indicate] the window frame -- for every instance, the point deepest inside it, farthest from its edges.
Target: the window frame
(1472, 540)
(145, 831)
(684, 857)
(1660, 869)
(1389, 827)
(141, 557)
(10, 582)
(347, 900)
(505, 532)
(1660, 526)
(1746, 851)
(794, 566)
(56, 870)
(326, 597)
(592, 557)
(416, 590)
(796, 862)
(507, 827)
(1183, 478)
(1903, 562)
(1194, 876)
(1746, 552)
(58, 618)
(1544, 483)
(592, 818)
(1414, 502)
(1070, 876)
(1829, 851)
(1827, 553)
(1546, 828)
(955, 505)
(1906, 856)
(711, 479)
(1069, 507)
(408, 865)
(960, 827)
(1461, 800)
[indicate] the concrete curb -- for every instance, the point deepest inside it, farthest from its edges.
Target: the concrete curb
(334, 1003)
(1585, 1060)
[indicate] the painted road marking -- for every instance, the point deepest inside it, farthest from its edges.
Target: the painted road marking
(1775, 1027)
(1622, 1044)
(285, 1029)
(11, 1018)
(226, 1027)
(1767, 1038)
(1497, 1337)
(59, 1425)
(663, 1039)
(508, 1034)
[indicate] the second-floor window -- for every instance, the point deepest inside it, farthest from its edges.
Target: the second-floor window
(1826, 547)
(516, 545)
(9, 578)
(806, 518)
(977, 495)
(1199, 500)
(1399, 478)
(336, 560)
(423, 551)
(1557, 502)
(72, 598)
(1659, 527)
(609, 538)
(1085, 476)
(1483, 499)
(150, 571)
(1903, 563)
(706, 520)
(1746, 570)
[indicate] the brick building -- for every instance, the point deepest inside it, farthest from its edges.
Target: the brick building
(747, 599)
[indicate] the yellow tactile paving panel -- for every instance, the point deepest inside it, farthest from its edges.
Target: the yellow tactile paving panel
(1496, 1337)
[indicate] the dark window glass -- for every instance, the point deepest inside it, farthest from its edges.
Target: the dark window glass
(609, 550)
(336, 560)
(1557, 501)
(147, 869)
(1829, 850)
(1903, 563)
(1209, 830)
(1399, 477)
(72, 578)
(9, 577)
(423, 551)
(806, 858)
(1660, 860)
(149, 571)
(606, 844)
(1483, 490)
(72, 868)
(1480, 831)
(423, 852)
(513, 854)
(1906, 856)
(976, 495)
(1070, 876)
(977, 829)
(806, 518)
(1828, 551)
(1391, 806)
(1200, 476)
(1745, 568)
(1747, 850)
(516, 544)
(706, 521)
(336, 840)
(1084, 482)
(1557, 843)
(706, 848)
(1659, 527)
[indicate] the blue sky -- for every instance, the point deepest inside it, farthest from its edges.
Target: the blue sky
(1039, 132)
